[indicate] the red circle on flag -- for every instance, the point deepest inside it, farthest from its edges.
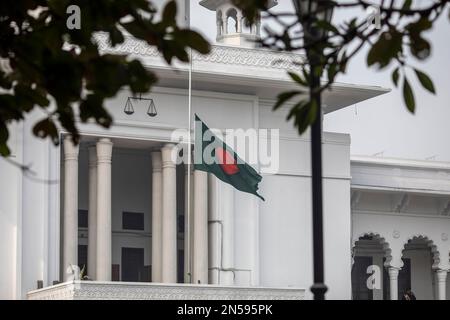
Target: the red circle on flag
(226, 161)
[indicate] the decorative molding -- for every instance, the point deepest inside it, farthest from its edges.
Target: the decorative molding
(387, 252)
(95, 290)
(238, 56)
(435, 254)
(393, 189)
(390, 213)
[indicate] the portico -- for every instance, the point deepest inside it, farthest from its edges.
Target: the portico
(133, 194)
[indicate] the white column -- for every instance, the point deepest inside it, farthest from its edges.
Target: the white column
(227, 214)
(169, 216)
(214, 231)
(220, 232)
(188, 225)
(70, 235)
(393, 281)
(239, 22)
(156, 217)
(200, 232)
(441, 277)
(104, 155)
(92, 213)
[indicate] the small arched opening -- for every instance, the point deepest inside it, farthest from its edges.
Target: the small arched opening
(420, 259)
(370, 254)
(232, 21)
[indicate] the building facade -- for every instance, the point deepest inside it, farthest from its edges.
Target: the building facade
(117, 205)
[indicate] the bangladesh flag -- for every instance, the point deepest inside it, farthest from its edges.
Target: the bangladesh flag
(213, 155)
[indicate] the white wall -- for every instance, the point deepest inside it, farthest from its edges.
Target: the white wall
(40, 209)
(285, 216)
(10, 219)
(28, 213)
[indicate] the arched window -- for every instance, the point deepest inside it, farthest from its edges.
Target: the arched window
(232, 21)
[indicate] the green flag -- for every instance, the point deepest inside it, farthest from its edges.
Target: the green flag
(212, 155)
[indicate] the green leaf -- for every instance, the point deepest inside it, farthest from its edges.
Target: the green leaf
(284, 97)
(408, 96)
(425, 80)
(4, 150)
(45, 128)
(296, 108)
(332, 71)
(115, 36)
(170, 12)
(407, 5)
(4, 134)
(395, 76)
(420, 25)
(420, 48)
(297, 78)
(387, 47)
(327, 26)
(305, 116)
(193, 40)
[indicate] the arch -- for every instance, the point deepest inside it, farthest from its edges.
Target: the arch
(371, 256)
(232, 21)
(430, 244)
(380, 239)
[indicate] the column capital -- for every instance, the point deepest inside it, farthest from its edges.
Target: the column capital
(71, 150)
(104, 150)
(393, 272)
(441, 275)
(167, 155)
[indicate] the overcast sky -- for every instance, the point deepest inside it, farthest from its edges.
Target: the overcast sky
(382, 125)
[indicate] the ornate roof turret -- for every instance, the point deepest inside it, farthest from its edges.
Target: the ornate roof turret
(232, 27)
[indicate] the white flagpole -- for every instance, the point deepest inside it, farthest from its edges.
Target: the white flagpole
(187, 236)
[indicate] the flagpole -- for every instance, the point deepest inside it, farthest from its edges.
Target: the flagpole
(187, 214)
(187, 236)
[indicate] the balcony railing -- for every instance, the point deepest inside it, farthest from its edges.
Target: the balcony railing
(96, 290)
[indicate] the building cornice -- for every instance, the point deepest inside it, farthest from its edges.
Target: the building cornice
(238, 56)
(253, 71)
(401, 177)
(397, 162)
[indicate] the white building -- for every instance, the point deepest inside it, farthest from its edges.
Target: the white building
(117, 204)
